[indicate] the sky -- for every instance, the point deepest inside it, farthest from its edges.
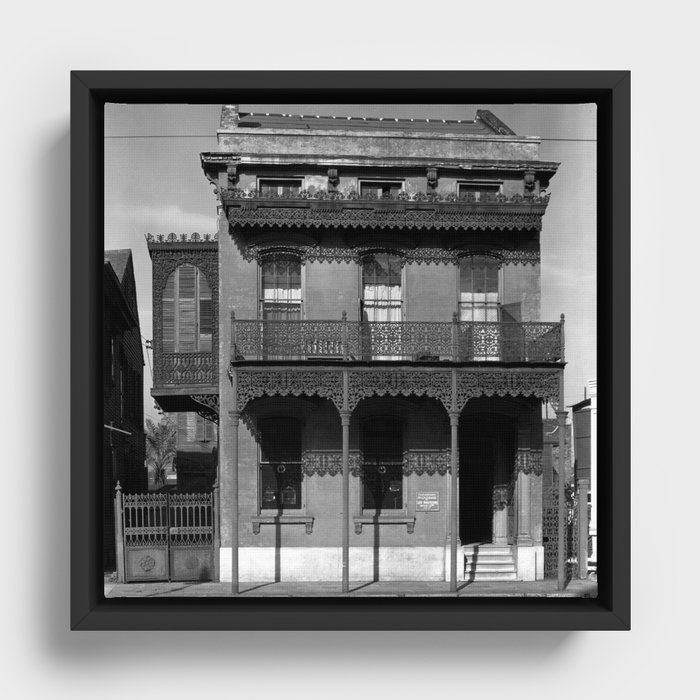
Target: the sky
(154, 184)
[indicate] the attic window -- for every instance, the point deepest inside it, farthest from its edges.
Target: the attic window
(380, 188)
(477, 191)
(279, 187)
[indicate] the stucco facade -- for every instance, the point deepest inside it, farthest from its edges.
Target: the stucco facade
(380, 362)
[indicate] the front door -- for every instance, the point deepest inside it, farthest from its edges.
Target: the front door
(476, 469)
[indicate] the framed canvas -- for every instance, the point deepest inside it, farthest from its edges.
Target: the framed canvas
(391, 486)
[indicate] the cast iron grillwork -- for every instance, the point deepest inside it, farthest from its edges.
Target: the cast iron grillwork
(167, 536)
(550, 527)
(184, 368)
(460, 341)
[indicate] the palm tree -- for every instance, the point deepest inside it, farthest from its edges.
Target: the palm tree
(160, 447)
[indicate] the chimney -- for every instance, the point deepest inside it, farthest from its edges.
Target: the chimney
(229, 117)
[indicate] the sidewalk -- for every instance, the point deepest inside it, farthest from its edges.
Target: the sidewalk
(493, 589)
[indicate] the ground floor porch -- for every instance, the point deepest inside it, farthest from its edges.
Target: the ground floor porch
(395, 474)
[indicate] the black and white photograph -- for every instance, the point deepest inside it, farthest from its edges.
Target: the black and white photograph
(349, 350)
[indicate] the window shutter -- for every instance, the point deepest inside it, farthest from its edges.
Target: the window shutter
(169, 314)
(192, 427)
(181, 429)
(187, 311)
(206, 311)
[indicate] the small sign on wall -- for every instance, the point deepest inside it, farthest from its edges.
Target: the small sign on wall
(427, 501)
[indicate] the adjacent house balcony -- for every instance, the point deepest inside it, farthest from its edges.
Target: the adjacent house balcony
(184, 369)
(458, 341)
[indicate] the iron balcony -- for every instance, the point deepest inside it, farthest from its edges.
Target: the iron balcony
(412, 341)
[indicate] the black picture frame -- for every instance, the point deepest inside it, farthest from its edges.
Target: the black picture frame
(610, 91)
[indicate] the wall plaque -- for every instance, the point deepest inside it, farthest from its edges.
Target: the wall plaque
(427, 501)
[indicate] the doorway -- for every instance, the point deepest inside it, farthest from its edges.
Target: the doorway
(486, 454)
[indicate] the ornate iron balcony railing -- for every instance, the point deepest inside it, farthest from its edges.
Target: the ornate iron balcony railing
(184, 368)
(429, 341)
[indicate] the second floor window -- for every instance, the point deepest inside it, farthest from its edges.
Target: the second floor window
(478, 288)
(381, 287)
(280, 285)
(187, 311)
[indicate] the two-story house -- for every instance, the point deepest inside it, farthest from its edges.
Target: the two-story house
(365, 328)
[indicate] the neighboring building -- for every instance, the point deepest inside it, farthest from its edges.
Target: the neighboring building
(584, 418)
(123, 455)
(366, 329)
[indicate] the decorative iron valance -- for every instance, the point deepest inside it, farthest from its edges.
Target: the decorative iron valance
(252, 383)
(419, 255)
(428, 211)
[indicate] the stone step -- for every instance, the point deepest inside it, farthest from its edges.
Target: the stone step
(481, 550)
(503, 563)
(502, 576)
(490, 570)
(490, 559)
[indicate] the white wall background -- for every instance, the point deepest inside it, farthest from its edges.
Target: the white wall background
(41, 42)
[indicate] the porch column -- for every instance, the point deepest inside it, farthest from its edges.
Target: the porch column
(235, 416)
(500, 514)
(454, 502)
(345, 423)
(524, 532)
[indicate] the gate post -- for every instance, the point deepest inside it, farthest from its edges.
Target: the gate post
(215, 522)
(119, 533)
(583, 528)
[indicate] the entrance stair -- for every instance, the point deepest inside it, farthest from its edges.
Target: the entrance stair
(489, 562)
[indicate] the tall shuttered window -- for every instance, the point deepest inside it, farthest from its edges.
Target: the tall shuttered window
(193, 428)
(187, 311)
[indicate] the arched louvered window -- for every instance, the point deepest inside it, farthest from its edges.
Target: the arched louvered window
(187, 311)
(478, 288)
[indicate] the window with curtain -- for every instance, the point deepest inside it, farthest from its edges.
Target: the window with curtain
(478, 302)
(381, 287)
(478, 288)
(187, 311)
(280, 464)
(382, 465)
(280, 284)
(381, 303)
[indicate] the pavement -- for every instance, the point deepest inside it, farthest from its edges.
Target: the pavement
(576, 588)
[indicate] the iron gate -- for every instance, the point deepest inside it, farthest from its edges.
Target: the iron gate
(551, 532)
(166, 536)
